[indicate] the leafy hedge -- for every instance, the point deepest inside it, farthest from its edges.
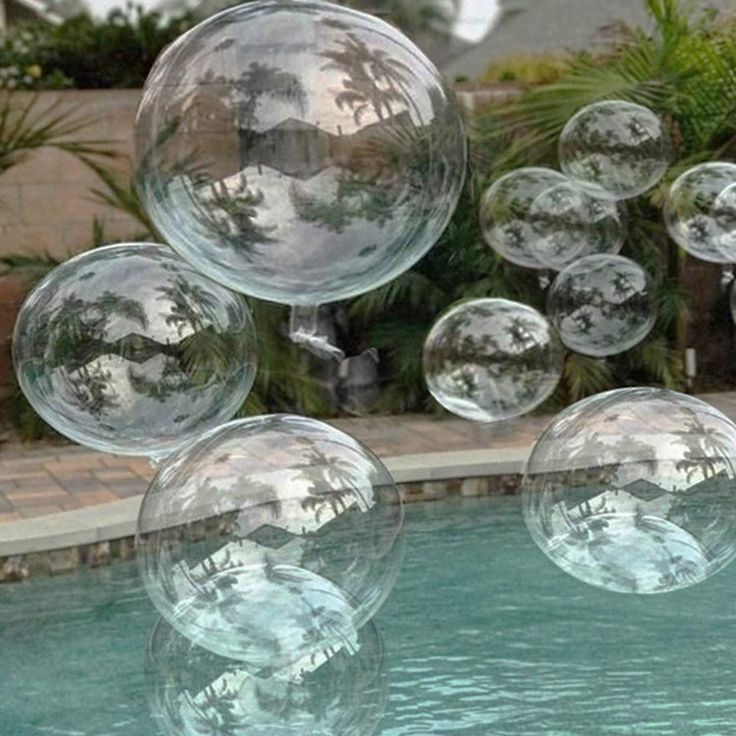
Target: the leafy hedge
(86, 53)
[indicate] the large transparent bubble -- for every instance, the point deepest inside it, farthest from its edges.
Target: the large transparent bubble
(193, 692)
(299, 151)
(696, 214)
(506, 213)
(618, 146)
(492, 359)
(271, 539)
(603, 305)
(634, 491)
(570, 221)
(127, 349)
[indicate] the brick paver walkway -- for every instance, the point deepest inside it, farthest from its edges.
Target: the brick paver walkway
(43, 479)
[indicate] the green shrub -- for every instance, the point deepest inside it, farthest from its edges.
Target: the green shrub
(529, 69)
(87, 53)
(683, 69)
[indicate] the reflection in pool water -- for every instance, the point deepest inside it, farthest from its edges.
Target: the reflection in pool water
(193, 692)
(484, 637)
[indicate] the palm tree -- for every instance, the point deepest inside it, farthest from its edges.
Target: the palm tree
(371, 78)
(27, 125)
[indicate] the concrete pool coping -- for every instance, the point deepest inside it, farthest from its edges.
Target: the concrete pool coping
(422, 477)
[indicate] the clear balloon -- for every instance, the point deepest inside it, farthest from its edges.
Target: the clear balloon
(270, 540)
(505, 213)
(127, 349)
(570, 222)
(193, 692)
(492, 359)
(603, 305)
(724, 212)
(299, 152)
(634, 491)
(618, 146)
(696, 213)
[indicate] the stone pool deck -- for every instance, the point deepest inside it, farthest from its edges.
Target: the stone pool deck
(62, 507)
(44, 479)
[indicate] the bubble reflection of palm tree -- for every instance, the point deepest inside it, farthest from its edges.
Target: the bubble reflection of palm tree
(706, 450)
(74, 335)
(331, 483)
(78, 337)
(373, 80)
(255, 83)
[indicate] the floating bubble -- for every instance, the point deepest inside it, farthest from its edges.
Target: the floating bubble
(505, 213)
(569, 222)
(127, 349)
(492, 359)
(724, 212)
(696, 212)
(270, 540)
(299, 152)
(634, 491)
(603, 305)
(193, 692)
(618, 146)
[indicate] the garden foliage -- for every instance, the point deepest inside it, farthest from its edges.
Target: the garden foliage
(683, 67)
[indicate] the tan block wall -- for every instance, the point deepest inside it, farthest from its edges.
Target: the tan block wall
(45, 202)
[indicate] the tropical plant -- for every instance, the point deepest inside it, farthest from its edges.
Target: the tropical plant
(86, 52)
(27, 125)
(683, 69)
(528, 69)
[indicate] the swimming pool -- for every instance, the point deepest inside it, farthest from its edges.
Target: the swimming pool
(483, 637)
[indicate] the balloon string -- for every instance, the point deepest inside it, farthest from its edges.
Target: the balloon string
(304, 331)
(727, 276)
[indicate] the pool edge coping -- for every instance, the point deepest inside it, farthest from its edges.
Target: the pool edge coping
(117, 519)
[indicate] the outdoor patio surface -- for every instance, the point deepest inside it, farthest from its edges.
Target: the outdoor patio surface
(41, 479)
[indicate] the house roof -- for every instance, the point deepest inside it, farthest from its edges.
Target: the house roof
(38, 8)
(530, 27)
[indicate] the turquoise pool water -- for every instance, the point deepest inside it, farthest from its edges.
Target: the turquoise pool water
(484, 637)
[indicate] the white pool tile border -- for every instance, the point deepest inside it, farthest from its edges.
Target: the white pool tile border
(117, 520)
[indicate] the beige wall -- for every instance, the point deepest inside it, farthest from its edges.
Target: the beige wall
(45, 202)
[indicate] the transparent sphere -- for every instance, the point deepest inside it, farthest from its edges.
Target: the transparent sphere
(570, 222)
(724, 213)
(193, 692)
(506, 217)
(603, 305)
(634, 490)
(127, 349)
(620, 147)
(696, 215)
(492, 359)
(299, 151)
(270, 539)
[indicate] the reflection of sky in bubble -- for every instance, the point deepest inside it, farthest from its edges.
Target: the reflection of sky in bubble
(490, 359)
(635, 490)
(307, 155)
(603, 305)
(698, 214)
(306, 546)
(128, 349)
(507, 216)
(618, 146)
(570, 222)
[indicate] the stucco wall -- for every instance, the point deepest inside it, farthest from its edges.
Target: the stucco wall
(45, 202)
